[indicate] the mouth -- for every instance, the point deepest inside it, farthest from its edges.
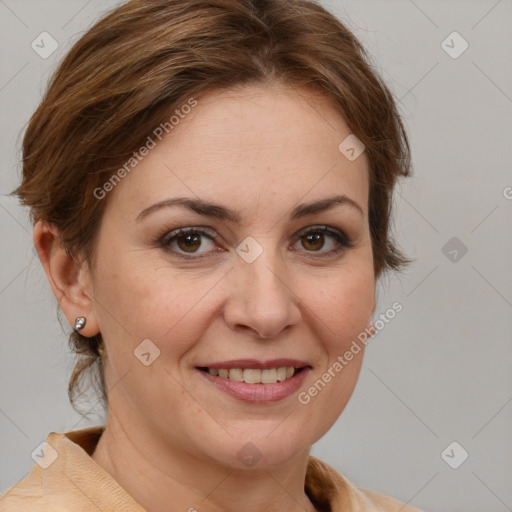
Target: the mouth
(254, 375)
(254, 381)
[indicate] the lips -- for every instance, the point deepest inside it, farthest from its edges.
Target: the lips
(257, 392)
(252, 371)
(255, 364)
(256, 380)
(254, 375)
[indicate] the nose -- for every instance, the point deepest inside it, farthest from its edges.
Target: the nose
(261, 297)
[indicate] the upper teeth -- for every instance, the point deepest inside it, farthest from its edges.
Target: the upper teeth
(255, 376)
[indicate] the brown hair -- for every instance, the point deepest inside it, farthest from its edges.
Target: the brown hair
(146, 58)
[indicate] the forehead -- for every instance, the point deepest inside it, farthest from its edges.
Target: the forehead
(269, 142)
(253, 119)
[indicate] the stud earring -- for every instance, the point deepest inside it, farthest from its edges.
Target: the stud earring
(79, 323)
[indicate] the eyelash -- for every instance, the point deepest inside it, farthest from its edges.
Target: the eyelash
(165, 241)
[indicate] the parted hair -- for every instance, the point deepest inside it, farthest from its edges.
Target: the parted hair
(146, 58)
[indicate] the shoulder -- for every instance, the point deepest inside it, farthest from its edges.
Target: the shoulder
(49, 483)
(332, 490)
(25, 496)
(383, 503)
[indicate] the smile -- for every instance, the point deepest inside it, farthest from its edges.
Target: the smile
(256, 385)
(254, 375)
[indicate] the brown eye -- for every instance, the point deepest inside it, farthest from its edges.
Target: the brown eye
(188, 240)
(194, 241)
(189, 243)
(317, 238)
(313, 241)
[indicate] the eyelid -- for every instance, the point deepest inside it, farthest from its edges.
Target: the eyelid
(323, 228)
(343, 241)
(169, 235)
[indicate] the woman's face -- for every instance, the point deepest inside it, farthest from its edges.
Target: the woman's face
(269, 286)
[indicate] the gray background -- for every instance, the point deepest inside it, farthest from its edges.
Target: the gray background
(440, 371)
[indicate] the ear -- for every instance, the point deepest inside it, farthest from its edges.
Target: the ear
(69, 279)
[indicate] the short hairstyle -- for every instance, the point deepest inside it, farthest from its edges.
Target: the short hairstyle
(143, 60)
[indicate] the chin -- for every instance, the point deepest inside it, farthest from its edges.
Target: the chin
(261, 450)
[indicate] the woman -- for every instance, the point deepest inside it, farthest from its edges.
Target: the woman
(211, 185)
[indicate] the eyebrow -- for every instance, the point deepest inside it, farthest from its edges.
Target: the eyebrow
(220, 212)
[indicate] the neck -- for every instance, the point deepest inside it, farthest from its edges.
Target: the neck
(157, 474)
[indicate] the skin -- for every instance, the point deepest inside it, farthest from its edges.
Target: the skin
(259, 151)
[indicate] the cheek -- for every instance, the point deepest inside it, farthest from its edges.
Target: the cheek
(139, 300)
(143, 305)
(340, 311)
(342, 305)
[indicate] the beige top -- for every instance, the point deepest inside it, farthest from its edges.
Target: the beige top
(74, 482)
